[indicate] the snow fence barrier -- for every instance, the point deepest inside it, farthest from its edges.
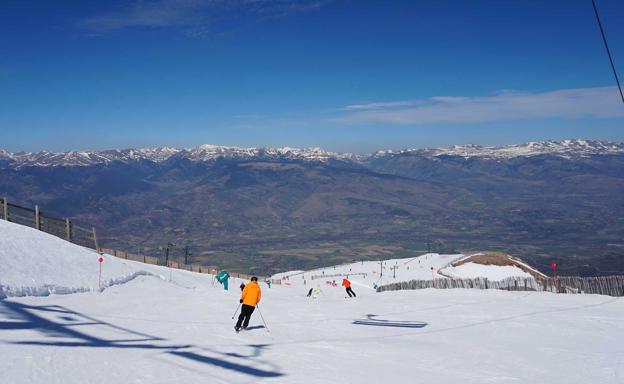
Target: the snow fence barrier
(600, 285)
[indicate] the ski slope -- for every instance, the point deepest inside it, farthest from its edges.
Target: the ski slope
(491, 272)
(162, 326)
(370, 274)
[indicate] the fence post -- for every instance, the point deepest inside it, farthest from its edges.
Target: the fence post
(5, 209)
(67, 229)
(37, 218)
(95, 240)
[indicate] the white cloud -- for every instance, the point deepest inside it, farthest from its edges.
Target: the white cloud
(163, 13)
(602, 102)
(380, 105)
(195, 14)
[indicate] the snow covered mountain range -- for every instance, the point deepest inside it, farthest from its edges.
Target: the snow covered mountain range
(204, 152)
(228, 200)
(567, 149)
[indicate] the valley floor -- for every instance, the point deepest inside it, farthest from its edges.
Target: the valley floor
(152, 330)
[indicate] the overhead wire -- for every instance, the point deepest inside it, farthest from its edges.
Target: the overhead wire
(604, 39)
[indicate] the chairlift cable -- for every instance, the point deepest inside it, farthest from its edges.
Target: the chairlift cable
(604, 39)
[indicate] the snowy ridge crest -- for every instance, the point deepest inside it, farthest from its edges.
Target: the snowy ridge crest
(202, 153)
(207, 152)
(566, 148)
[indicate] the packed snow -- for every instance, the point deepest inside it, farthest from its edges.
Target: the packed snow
(34, 263)
(169, 326)
(492, 272)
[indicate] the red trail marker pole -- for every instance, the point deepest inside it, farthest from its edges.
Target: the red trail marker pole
(554, 267)
(101, 259)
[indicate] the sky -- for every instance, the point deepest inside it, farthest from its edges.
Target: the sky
(343, 75)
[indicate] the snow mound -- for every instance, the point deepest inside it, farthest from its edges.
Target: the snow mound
(491, 272)
(34, 263)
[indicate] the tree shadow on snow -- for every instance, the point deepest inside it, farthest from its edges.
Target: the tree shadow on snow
(58, 324)
(373, 321)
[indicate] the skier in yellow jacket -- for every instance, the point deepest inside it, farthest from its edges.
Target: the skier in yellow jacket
(250, 297)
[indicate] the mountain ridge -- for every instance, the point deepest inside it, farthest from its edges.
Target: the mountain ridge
(276, 209)
(208, 152)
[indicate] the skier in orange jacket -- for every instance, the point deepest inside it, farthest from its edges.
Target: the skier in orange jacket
(347, 284)
(250, 297)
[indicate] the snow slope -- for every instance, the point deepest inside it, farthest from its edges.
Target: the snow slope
(176, 327)
(34, 263)
(371, 274)
(491, 272)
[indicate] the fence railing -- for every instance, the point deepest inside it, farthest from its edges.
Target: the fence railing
(601, 285)
(64, 228)
(345, 274)
(178, 265)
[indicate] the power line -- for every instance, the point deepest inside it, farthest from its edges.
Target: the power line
(604, 39)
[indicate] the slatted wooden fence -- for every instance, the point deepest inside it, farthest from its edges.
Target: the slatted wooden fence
(601, 285)
(36, 218)
(177, 265)
(68, 230)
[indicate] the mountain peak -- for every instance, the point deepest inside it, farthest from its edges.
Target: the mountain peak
(566, 148)
(570, 148)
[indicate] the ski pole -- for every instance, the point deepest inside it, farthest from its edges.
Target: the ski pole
(262, 317)
(239, 304)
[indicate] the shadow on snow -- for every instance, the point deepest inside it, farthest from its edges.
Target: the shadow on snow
(62, 323)
(251, 328)
(372, 320)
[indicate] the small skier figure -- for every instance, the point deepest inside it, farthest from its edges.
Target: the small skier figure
(347, 284)
(317, 291)
(310, 292)
(250, 297)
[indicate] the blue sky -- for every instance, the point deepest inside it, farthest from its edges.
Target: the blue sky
(344, 75)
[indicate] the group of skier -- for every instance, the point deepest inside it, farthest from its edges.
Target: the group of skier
(251, 295)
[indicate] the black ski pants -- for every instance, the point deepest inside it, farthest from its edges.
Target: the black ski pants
(245, 316)
(350, 292)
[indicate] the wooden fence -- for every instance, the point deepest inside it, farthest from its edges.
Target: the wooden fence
(64, 228)
(602, 285)
(342, 275)
(177, 265)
